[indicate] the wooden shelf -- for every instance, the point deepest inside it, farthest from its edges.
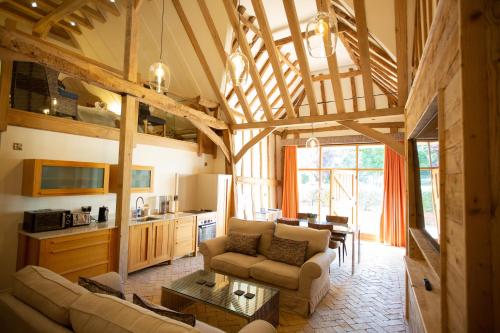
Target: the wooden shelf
(428, 302)
(430, 253)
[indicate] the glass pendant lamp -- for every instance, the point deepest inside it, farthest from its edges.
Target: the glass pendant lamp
(312, 142)
(322, 34)
(159, 73)
(237, 62)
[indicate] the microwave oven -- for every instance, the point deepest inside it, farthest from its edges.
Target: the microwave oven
(46, 220)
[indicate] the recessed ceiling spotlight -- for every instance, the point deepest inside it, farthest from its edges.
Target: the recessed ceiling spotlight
(34, 4)
(73, 23)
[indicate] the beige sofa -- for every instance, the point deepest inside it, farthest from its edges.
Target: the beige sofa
(45, 302)
(301, 288)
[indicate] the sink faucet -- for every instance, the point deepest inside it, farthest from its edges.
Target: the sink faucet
(137, 210)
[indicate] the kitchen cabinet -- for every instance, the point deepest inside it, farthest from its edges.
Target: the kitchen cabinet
(139, 246)
(142, 179)
(162, 241)
(185, 236)
(51, 178)
(84, 254)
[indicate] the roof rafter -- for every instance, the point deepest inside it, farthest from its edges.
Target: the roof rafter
(42, 27)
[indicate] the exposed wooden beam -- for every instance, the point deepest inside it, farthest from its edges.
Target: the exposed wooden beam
(212, 136)
(267, 36)
(394, 111)
(131, 41)
(376, 135)
(245, 48)
(390, 125)
(354, 93)
(128, 128)
(256, 139)
(401, 50)
(323, 96)
(364, 49)
(93, 13)
(223, 56)
(107, 6)
(342, 75)
(57, 58)
(5, 81)
(293, 23)
(42, 27)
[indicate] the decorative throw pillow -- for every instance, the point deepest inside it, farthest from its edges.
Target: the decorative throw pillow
(288, 251)
(242, 243)
(186, 318)
(99, 288)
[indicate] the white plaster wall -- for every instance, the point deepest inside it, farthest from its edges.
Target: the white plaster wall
(52, 145)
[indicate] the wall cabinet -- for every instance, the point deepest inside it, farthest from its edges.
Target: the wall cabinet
(87, 254)
(50, 178)
(185, 236)
(142, 179)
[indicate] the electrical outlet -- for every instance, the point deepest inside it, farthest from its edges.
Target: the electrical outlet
(17, 146)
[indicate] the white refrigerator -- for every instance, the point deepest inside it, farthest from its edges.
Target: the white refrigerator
(207, 191)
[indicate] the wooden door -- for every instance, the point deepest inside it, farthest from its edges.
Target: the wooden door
(139, 246)
(161, 247)
(343, 193)
(184, 236)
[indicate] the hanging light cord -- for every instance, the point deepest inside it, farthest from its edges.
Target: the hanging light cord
(239, 24)
(162, 20)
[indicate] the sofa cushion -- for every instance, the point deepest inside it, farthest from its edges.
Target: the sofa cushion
(186, 318)
(318, 239)
(47, 292)
(265, 229)
(242, 243)
(276, 273)
(102, 313)
(288, 251)
(236, 264)
(98, 287)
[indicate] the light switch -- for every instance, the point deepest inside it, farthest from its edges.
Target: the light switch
(17, 146)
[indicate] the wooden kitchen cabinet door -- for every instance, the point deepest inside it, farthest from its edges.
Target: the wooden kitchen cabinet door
(139, 248)
(184, 236)
(163, 235)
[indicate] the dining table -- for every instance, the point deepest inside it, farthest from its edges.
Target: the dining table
(348, 229)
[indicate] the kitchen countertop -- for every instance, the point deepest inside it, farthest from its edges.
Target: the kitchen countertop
(70, 231)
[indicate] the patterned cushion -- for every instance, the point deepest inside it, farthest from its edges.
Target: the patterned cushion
(242, 243)
(99, 288)
(163, 311)
(288, 251)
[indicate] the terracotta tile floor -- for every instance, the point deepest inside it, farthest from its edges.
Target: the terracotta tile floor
(371, 300)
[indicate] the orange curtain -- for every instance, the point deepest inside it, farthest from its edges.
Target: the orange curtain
(392, 223)
(290, 185)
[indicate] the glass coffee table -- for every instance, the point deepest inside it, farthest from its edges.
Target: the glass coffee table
(181, 293)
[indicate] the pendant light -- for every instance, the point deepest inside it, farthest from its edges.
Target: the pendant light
(312, 142)
(159, 73)
(322, 33)
(237, 62)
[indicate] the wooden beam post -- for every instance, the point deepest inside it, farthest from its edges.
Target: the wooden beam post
(203, 61)
(364, 50)
(401, 50)
(256, 139)
(5, 82)
(273, 56)
(128, 128)
(245, 48)
(131, 42)
(376, 135)
(298, 43)
(354, 92)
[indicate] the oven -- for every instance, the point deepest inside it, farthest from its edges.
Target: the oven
(206, 230)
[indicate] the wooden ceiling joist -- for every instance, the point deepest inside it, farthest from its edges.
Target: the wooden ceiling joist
(293, 23)
(384, 125)
(392, 111)
(376, 135)
(342, 75)
(204, 64)
(245, 48)
(42, 27)
(86, 70)
(223, 57)
(273, 56)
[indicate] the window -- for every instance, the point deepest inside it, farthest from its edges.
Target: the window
(343, 180)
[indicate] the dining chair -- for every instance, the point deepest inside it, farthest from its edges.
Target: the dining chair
(334, 244)
(288, 221)
(306, 216)
(338, 235)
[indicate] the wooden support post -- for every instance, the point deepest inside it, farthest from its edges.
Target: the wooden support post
(401, 51)
(131, 41)
(128, 128)
(323, 96)
(5, 81)
(364, 49)
(354, 92)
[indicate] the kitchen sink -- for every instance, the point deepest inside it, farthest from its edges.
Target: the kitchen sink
(146, 219)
